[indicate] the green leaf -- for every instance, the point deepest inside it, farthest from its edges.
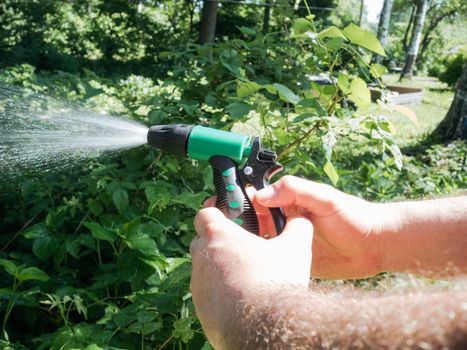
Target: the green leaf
(157, 116)
(359, 93)
(137, 239)
(72, 248)
(331, 32)
(314, 104)
(35, 231)
(246, 88)
(286, 94)
(230, 61)
(120, 199)
(142, 243)
(238, 109)
(32, 273)
(363, 38)
(9, 267)
(331, 172)
(247, 31)
(334, 43)
(159, 195)
(190, 200)
(182, 329)
(396, 153)
(301, 25)
(95, 206)
(343, 82)
(44, 247)
(377, 70)
(99, 232)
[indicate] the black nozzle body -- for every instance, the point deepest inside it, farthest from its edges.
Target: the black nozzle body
(171, 138)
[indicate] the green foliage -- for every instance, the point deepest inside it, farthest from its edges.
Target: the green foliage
(97, 257)
(453, 69)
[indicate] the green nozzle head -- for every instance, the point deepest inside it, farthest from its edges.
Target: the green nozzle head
(199, 142)
(204, 143)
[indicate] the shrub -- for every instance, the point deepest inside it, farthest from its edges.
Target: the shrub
(453, 69)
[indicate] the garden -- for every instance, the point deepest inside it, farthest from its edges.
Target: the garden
(95, 255)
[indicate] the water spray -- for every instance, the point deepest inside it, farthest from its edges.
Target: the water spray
(237, 161)
(41, 134)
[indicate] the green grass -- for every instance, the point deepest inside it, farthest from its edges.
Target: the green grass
(437, 98)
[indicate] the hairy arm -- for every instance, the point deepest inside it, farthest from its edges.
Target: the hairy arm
(426, 237)
(355, 238)
(293, 318)
(252, 293)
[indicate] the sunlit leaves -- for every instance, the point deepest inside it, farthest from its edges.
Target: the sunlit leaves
(359, 93)
(331, 172)
(331, 32)
(301, 25)
(356, 90)
(377, 70)
(363, 38)
(246, 88)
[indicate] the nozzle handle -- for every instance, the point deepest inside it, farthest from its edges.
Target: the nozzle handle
(232, 198)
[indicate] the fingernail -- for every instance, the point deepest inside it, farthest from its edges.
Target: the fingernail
(265, 194)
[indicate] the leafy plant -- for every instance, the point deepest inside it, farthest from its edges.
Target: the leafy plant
(97, 257)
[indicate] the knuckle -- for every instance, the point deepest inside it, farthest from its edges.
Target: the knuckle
(288, 182)
(212, 228)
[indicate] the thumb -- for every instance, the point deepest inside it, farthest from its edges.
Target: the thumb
(298, 232)
(294, 244)
(318, 199)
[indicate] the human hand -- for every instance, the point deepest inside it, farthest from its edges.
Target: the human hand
(347, 229)
(229, 264)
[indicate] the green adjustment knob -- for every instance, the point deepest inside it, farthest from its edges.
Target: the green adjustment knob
(234, 204)
(227, 172)
(238, 221)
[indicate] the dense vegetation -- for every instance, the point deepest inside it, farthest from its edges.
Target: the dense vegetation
(96, 257)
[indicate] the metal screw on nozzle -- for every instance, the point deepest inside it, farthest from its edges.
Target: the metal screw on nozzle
(248, 170)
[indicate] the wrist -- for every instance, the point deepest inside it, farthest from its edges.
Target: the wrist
(388, 227)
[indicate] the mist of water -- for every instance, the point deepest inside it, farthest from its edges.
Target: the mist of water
(42, 134)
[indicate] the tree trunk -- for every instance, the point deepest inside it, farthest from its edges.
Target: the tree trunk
(207, 30)
(361, 14)
(414, 45)
(407, 31)
(383, 26)
(267, 15)
(427, 38)
(454, 125)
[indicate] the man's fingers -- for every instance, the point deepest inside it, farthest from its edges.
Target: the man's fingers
(210, 202)
(298, 230)
(319, 199)
(206, 218)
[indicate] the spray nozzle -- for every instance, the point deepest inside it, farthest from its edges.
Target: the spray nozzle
(227, 152)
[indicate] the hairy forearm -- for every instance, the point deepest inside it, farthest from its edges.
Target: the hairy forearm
(291, 318)
(426, 237)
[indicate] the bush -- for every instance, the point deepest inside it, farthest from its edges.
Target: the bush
(453, 70)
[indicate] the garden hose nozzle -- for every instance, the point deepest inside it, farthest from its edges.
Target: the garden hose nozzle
(237, 161)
